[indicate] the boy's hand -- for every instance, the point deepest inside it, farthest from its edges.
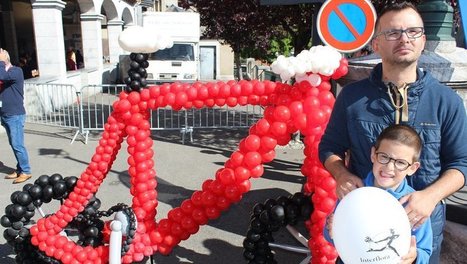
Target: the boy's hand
(2, 55)
(329, 224)
(412, 254)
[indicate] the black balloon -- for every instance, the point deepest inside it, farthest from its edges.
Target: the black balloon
(43, 180)
(23, 198)
(134, 65)
(140, 57)
(145, 64)
(18, 211)
(71, 181)
(5, 221)
(55, 178)
(59, 189)
(277, 213)
(35, 191)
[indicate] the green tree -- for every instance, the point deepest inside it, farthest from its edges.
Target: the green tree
(261, 31)
(249, 27)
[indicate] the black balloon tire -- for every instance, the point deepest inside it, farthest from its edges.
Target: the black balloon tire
(266, 219)
(87, 223)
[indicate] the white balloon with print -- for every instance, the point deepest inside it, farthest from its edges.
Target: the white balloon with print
(371, 226)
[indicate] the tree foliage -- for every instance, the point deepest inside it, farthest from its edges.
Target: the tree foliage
(249, 27)
(260, 31)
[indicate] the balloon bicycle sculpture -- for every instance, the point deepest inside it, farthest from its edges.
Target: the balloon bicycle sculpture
(304, 106)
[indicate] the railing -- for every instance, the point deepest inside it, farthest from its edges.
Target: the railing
(87, 110)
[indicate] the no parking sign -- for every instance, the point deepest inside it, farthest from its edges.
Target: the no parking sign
(346, 25)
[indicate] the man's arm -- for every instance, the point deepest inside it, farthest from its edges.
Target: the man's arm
(422, 203)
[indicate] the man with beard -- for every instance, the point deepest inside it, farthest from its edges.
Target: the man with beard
(398, 92)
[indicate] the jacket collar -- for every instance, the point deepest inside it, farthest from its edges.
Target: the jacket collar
(376, 77)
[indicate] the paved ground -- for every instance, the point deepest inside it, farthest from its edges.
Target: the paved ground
(181, 169)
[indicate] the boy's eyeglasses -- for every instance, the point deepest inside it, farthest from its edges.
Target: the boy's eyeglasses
(395, 34)
(399, 164)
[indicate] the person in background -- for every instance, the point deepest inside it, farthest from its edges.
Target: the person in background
(71, 60)
(398, 92)
(13, 115)
(395, 156)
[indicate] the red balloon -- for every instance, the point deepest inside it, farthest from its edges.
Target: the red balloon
(259, 88)
(252, 142)
(282, 113)
(222, 203)
(279, 128)
(187, 206)
(235, 90)
(213, 90)
(232, 193)
(268, 156)
(326, 98)
(208, 198)
(196, 198)
(316, 117)
(224, 91)
(220, 101)
(296, 108)
(154, 91)
(241, 174)
(311, 103)
(242, 100)
(199, 216)
(203, 93)
(268, 143)
(227, 176)
(198, 104)
(191, 93)
(231, 101)
(247, 88)
(175, 215)
(212, 212)
(244, 186)
(236, 158)
(181, 98)
(258, 170)
(133, 98)
(270, 87)
(252, 159)
(262, 127)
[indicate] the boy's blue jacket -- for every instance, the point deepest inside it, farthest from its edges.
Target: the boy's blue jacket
(423, 234)
(363, 109)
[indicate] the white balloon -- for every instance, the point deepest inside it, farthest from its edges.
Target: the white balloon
(301, 77)
(314, 79)
(371, 226)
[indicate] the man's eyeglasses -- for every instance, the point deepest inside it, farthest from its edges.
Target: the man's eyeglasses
(395, 34)
(399, 164)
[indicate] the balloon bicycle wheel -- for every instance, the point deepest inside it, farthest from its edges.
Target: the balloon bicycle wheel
(270, 217)
(86, 229)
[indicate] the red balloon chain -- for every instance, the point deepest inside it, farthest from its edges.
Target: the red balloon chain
(289, 108)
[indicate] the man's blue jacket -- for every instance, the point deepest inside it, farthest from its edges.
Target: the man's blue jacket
(363, 109)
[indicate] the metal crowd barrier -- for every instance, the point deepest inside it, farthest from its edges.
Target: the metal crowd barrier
(88, 109)
(52, 104)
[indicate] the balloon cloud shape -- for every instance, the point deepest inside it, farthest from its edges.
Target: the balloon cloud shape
(139, 39)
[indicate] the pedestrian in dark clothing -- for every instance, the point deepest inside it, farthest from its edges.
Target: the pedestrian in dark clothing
(13, 115)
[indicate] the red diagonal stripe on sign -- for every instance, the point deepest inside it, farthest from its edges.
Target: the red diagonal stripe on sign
(347, 23)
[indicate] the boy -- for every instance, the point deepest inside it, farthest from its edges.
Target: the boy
(395, 156)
